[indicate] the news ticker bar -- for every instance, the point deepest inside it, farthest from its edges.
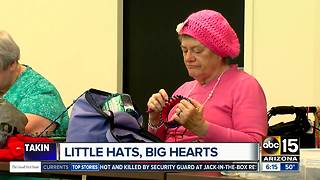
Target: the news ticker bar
(38, 166)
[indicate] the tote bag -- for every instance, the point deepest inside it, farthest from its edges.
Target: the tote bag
(89, 123)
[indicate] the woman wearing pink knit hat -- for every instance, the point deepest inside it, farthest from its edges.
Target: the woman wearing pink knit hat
(222, 103)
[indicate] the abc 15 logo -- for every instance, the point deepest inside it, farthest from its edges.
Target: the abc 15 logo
(277, 145)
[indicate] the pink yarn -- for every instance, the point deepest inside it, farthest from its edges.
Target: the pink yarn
(212, 30)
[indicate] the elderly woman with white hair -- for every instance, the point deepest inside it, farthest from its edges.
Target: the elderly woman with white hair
(222, 103)
(29, 92)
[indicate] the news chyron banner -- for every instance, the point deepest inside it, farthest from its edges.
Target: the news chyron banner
(280, 154)
(138, 157)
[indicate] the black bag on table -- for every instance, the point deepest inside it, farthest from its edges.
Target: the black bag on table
(296, 128)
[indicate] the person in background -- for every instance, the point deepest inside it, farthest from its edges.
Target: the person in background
(29, 92)
(226, 104)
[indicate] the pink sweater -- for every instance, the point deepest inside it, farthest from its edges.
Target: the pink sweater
(235, 113)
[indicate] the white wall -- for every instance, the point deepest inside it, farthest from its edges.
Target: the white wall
(284, 49)
(74, 43)
(317, 52)
(77, 45)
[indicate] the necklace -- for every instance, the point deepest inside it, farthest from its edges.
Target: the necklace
(211, 92)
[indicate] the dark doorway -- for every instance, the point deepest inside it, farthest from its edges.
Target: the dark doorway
(152, 56)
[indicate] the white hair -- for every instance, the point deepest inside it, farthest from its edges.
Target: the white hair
(9, 50)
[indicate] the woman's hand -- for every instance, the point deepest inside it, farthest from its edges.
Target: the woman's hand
(155, 104)
(36, 124)
(190, 116)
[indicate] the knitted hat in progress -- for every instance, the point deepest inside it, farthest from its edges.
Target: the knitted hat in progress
(212, 30)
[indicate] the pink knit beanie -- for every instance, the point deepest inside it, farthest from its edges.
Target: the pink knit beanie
(212, 30)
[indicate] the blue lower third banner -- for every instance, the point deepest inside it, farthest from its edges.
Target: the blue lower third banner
(289, 166)
(40, 151)
(146, 166)
(55, 166)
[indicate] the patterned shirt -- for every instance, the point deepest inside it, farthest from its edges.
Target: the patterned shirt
(33, 94)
